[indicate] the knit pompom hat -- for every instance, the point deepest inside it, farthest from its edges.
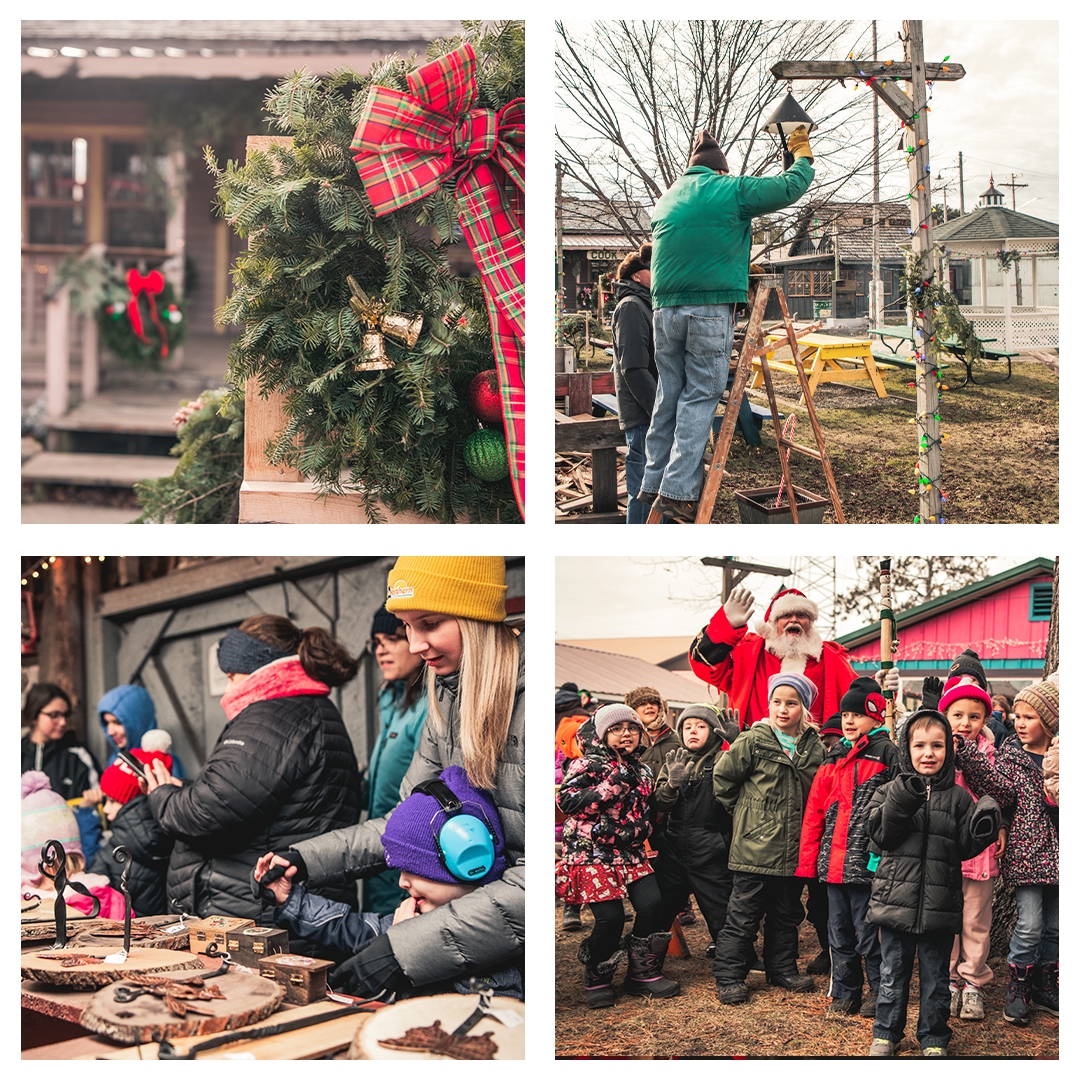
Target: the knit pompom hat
(607, 715)
(45, 816)
(469, 586)
(120, 783)
(955, 690)
(409, 840)
(968, 663)
(1044, 699)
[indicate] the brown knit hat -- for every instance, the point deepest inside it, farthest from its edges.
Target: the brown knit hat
(1043, 698)
(707, 152)
(635, 261)
(641, 694)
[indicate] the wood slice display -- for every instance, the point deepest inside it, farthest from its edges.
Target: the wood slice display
(45, 930)
(246, 999)
(149, 933)
(396, 1020)
(68, 967)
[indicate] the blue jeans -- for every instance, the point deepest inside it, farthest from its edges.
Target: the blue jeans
(693, 350)
(1035, 939)
(851, 940)
(637, 513)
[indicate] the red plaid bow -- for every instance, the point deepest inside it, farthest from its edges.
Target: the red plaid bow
(406, 145)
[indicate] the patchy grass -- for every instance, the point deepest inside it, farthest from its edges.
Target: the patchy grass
(999, 458)
(772, 1024)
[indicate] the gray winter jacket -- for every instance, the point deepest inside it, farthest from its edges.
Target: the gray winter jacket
(477, 931)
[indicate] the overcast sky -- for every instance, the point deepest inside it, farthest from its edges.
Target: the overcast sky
(1003, 115)
(654, 596)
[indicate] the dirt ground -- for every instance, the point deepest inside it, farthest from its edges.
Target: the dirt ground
(999, 457)
(774, 1023)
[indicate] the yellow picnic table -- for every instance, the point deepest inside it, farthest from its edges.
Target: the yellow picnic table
(821, 356)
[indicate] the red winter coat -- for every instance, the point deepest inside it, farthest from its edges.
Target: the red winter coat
(737, 662)
(834, 842)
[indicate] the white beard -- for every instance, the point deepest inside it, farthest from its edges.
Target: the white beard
(793, 652)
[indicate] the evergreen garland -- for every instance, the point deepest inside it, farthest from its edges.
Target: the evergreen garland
(947, 320)
(204, 488)
(397, 433)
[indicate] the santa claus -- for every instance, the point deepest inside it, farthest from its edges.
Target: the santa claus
(740, 662)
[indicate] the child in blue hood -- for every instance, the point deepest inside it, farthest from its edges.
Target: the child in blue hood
(127, 714)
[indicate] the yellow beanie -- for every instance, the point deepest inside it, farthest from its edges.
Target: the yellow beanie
(472, 586)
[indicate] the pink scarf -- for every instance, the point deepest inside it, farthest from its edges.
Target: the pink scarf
(279, 678)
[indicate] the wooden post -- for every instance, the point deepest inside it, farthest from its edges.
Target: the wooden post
(57, 310)
(926, 384)
(911, 109)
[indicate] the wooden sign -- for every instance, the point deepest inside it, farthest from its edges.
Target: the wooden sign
(245, 999)
(449, 1010)
(85, 969)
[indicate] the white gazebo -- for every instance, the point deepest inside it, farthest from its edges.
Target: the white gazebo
(1017, 306)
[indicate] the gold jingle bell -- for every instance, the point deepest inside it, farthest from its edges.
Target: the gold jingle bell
(402, 328)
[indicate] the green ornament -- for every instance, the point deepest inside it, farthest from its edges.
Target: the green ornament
(485, 455)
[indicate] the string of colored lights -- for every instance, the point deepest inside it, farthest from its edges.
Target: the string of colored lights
(926, 364)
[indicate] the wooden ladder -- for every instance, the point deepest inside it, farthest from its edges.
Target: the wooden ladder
(755, 345)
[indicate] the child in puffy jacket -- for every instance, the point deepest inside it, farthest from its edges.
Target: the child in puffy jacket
(1029, 862)
(922, 827)
(693, 842)
(605, 795)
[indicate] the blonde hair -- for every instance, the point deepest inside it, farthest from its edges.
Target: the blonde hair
(487, 685)
(74, 863)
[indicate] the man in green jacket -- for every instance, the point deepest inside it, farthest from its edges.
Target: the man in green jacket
(700, 267)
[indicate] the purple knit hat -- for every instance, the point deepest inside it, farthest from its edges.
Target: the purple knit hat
(409, 836)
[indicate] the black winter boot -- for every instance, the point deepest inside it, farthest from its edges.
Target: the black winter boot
(1044, 988)
(599, 993)
(645, 967)
(1018, 995)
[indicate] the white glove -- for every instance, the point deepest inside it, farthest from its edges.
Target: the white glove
(888, 679)
(737, 607)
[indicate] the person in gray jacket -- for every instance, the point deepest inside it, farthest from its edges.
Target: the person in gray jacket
(454, 609)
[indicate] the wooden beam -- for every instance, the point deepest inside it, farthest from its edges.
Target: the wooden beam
(862, 69)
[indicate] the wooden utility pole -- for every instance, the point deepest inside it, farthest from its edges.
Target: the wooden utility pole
(1014, 185)
(922, 321)
(560, 283)
(910, 107)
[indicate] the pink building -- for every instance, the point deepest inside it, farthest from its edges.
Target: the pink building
(1005, 618)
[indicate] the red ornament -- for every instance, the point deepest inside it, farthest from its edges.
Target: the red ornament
(484, 399)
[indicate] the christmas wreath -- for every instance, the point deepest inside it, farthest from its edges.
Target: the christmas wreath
(142, 321)
(352, 311)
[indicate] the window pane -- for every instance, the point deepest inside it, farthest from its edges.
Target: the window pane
(55, 168)
(57, 225)
(135, 226)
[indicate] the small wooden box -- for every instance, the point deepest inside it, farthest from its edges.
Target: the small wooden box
(303, 977)
(249, 945)
(213, 931)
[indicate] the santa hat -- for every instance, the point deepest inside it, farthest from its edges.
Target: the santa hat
(787, 602)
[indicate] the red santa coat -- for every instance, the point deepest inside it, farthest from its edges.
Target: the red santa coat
(745, 672)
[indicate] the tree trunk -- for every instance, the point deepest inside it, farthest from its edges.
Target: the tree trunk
(1052, 646)
(61, 651)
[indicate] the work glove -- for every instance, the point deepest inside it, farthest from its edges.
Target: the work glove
(798, 143)
(728, 723)
(294, 858)
(932, 687)
(888, 679)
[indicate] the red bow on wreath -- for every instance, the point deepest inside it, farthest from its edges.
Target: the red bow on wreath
(152, 284)
(406, 145)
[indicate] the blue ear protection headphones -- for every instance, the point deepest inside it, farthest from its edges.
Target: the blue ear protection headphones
(465, 843)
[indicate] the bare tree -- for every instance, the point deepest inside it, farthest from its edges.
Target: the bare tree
(1053, 641)
(633, 95)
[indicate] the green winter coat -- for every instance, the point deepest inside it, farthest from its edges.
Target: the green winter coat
(701, 232)
(765, 792)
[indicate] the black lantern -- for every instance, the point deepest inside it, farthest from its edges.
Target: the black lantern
(788, 116)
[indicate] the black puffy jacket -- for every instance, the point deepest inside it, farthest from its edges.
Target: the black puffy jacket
(135, 828)
(283, 770)
(923, 829)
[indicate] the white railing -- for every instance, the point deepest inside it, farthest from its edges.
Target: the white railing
(1021, 328)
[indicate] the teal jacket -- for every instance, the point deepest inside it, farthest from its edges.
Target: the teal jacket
(701, 232)
(399, 735)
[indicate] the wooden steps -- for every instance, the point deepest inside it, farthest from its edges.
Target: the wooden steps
(94, 470)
